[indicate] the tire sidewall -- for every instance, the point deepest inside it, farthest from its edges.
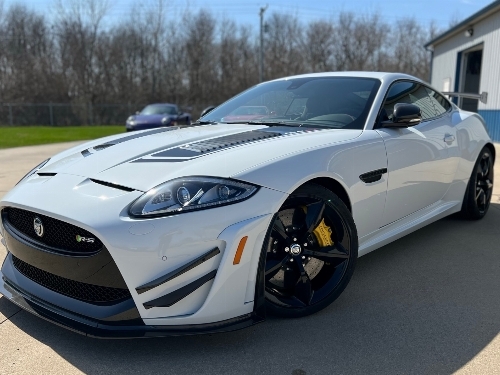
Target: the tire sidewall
(319, 192)
(470, 209)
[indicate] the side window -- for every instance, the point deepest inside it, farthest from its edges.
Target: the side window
(412, 93)
(439, 102)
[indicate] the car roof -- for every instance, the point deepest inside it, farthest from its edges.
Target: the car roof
(377, 75)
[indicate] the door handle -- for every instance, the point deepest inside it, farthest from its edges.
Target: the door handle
(448, 138)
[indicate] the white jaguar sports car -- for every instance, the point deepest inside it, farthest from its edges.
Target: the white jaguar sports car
(208, 227)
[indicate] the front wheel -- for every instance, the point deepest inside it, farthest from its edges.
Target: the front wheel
(311, 251)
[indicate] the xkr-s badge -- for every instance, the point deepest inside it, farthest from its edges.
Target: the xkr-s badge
(84, 239)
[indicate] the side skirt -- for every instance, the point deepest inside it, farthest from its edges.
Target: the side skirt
(407, 225)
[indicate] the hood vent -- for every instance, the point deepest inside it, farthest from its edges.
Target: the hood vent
(103, 146)
(109, 184)
(230, 140)
(217, 144)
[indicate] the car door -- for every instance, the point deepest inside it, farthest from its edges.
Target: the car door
(419, 173)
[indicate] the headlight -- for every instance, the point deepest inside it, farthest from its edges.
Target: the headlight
(34, 170)
(165, 120)
(189, 194)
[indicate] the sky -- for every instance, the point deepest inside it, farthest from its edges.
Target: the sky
(246, 12)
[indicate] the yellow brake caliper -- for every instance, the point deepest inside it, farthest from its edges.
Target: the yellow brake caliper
(322, 232)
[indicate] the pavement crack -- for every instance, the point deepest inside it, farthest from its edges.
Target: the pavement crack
(10, 316)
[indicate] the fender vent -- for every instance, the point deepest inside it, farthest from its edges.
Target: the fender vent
(372, 176)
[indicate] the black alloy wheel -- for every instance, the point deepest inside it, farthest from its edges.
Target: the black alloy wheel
(311, 251)
(480, 188)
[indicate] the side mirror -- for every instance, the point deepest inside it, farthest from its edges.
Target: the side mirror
(137, 112)
(404, 115)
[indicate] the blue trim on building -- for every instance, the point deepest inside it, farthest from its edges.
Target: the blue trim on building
(492, 119)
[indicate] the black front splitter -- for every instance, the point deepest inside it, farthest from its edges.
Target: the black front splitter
(99, 329)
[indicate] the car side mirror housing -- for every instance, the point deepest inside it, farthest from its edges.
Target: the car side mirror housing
(404, 115)
(137, 112)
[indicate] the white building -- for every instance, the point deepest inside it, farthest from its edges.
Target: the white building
(466, 58)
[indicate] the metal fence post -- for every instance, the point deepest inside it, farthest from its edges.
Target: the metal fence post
(51, 115)
(10, 115)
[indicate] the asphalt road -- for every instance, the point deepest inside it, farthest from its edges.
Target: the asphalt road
(425, 304)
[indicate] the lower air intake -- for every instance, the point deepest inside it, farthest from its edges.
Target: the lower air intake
(90, 293)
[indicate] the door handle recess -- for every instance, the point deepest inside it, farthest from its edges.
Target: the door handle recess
(448, 138)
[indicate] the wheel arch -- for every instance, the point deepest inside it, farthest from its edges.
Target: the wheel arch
(491, 147)
(335, 187)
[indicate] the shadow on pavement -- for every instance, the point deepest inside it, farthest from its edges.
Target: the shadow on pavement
(427, 303)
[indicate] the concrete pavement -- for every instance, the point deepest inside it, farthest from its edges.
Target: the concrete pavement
(425, 304)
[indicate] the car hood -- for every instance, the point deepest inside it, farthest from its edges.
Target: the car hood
(146, 159)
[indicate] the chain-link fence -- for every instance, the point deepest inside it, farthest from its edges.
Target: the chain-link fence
(57, 114)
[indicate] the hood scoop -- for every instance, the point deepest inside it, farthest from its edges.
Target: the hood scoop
(200, 148)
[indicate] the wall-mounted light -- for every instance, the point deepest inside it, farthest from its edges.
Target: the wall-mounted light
(469, 32)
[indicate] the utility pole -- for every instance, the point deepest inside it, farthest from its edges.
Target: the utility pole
(261, 62)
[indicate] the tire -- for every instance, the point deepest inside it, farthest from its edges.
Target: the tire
(480, 187)
(311, 251)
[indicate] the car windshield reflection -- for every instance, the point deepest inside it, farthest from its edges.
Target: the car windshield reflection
(335, 102)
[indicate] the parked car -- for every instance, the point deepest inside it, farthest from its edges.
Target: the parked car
(210, 227)
(156, 116)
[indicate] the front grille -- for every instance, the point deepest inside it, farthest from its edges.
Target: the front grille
(58, 235)
(74, 289)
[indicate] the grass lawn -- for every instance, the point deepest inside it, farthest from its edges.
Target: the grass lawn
(37, 135)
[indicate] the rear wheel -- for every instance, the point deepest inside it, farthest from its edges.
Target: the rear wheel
(311, 251)
(480, 188)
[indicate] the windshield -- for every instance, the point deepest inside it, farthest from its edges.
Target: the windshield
(336, 102)
(156, 109)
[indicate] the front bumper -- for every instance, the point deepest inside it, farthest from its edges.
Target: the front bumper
(145, 251)
(106, 329)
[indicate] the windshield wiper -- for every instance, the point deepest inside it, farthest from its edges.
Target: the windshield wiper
(204, 122)
(272, 123)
